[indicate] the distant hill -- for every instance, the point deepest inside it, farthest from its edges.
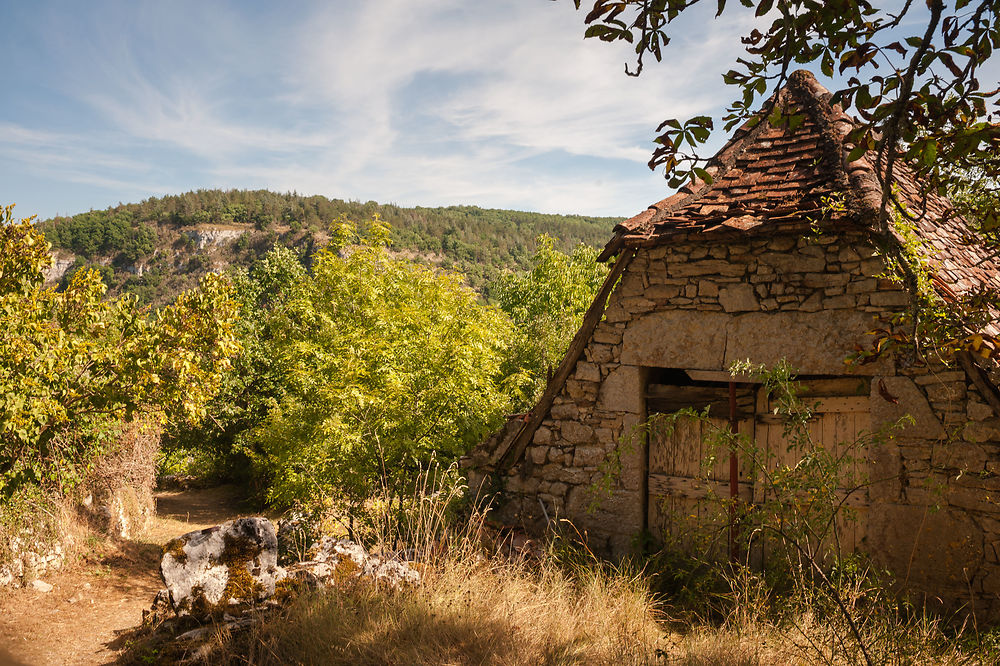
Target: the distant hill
(161, 246)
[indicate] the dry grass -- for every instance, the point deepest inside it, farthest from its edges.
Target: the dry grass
(804, 627)
(472, 607)
(494, 611)
(480, 612)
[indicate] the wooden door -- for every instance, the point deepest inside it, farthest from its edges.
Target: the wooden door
(688, 476)
(684, 488)
(838, 426)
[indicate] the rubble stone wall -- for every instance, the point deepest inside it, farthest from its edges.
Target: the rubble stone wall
(935, 519)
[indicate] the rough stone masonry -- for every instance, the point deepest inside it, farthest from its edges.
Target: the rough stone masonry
(776, 259)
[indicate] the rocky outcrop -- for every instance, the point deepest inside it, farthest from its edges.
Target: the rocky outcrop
(60, 264)
(213, 236)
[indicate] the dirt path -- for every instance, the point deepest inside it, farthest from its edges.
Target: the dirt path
(106, 589)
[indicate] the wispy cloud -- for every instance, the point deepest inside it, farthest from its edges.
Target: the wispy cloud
(442, 101)
(87, 160)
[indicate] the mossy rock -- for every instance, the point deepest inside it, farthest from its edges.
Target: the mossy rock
(233, 564)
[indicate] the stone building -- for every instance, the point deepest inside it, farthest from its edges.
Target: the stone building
(776, 259)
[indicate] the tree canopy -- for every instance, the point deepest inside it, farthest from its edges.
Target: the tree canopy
(74, 365)
(547, 304)
(356, 372)
(913, 77)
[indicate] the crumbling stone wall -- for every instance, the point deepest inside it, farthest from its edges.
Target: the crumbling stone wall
(696, 305)
(25, 561)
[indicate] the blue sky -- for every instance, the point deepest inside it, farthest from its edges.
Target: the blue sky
(498, 103)
(437, 102)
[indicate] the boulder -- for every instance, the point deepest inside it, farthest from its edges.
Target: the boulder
(234, 563)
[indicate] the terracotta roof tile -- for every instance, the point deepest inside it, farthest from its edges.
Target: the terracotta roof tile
(776, 176)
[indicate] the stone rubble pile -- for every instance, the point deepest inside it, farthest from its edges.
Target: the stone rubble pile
(334, 561)
(230, 573)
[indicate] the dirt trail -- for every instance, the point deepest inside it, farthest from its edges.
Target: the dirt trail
(105, 591)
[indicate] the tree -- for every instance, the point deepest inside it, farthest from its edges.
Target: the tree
(254, 381)
(977, 196)
(384, 365)
(73, 365)
(547, 304)
(914, 78)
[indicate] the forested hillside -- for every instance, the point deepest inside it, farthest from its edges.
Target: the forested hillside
(156, 248)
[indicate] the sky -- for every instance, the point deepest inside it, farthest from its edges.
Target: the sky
(496, 103)
(438, 102)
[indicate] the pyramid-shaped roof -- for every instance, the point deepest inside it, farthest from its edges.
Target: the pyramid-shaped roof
(767, 179)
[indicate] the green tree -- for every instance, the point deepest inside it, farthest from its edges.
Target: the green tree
(254, 382)
(926, 108)
(385, 365)
(977, 196)
(72, 365)
(547, 304)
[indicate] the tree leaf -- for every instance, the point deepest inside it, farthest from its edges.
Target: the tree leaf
(857, 152)
(704, 175)
(929, 153)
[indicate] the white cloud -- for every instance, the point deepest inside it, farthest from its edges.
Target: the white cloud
(537, 84)
(524, 83)
(443, 101)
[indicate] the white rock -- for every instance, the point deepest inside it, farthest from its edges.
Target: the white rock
(328, 553)
(41, 586)
(237, 559)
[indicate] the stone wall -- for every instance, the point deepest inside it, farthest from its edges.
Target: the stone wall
(696, 305)
(26, 562)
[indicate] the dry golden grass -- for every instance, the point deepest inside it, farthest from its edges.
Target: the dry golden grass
(470, 612)
(498, 612)
(469, 608)
(472, 607)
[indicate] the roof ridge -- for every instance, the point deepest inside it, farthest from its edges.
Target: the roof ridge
(861, 182)
(857, 179)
